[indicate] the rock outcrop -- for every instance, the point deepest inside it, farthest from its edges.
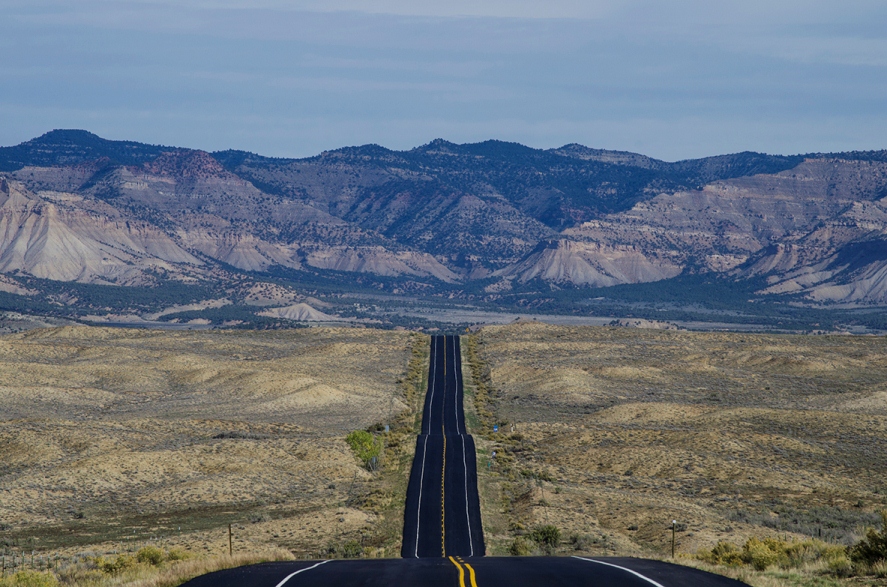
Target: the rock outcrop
(74, 207)
(299, 312)
(58, 241)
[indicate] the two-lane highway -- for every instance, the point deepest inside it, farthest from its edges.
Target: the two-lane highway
(443, 543)
(442, 512)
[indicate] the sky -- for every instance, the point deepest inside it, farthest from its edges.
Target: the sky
(672, 79)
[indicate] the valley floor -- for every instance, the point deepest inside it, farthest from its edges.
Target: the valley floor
(733, 435)
(114, 439)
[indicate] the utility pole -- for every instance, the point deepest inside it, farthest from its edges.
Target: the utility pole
(674, 525)
(545, 503)
(230, 542)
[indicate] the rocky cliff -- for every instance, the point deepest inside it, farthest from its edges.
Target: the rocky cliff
(75, 207)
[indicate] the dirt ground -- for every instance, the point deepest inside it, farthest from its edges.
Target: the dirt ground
(619, 431)
(114, 438)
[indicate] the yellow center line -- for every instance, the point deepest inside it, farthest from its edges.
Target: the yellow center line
(443, 469)
(470, 571)
(471, 575)
(461, 572)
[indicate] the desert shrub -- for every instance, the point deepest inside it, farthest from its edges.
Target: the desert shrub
(178, 554)
(834, 523)
(240, 436)
(520, 547)
(873, 547)
(150, 555)
(548, 536)
(80, 575)
(879, 569)
(589, 541)
(761, 553)
(352, 549)
(349, 549)
(30, 579)
(582, 541)
(364, 445)
(840, 565)
(724, 553)
(538, 475)
(116, 565)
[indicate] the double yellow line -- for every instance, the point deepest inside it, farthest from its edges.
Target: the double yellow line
(459, 565)
(443, 511)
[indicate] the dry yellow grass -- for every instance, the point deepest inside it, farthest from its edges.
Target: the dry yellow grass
(113, 438)
(183, 571)
(620, 431)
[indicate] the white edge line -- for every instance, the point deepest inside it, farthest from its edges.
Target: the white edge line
(425, 448)
(462, 386)
(290, 576)
(647, 579)
(467, 517)
(457, 369)
(431, 399)
(456, 393)
(419, 508)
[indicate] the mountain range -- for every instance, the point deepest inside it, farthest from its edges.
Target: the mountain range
(475, 220)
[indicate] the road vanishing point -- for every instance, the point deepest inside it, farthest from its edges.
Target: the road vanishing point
(443, 540)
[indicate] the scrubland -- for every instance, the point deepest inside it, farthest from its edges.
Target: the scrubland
(112, 440)
(116, 441)
(620, 431)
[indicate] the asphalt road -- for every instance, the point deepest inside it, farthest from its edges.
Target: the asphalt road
(461, 572)
(443, 542)
(442, 511)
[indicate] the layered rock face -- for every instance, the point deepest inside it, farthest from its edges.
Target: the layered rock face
(191, 203)
(76, 207)
(818, 228)
(54, 238)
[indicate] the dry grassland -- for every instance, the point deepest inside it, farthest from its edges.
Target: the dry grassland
(112, 438)
(620, 431)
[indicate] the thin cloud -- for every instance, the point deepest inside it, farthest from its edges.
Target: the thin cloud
(673, 79)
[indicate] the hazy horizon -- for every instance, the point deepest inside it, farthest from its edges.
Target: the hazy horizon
(292, 79)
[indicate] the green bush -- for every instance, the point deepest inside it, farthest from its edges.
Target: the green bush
(178, 554)
(349, 549)
(113, 566)
(763, 553)
(873, 547)
(150, 555)
(724, 553)
(30, 579)
(547, 535)
(840, 565)
(352, 549)
(520, 547)
(364, 445)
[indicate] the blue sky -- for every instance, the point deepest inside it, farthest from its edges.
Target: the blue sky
(671, 79)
